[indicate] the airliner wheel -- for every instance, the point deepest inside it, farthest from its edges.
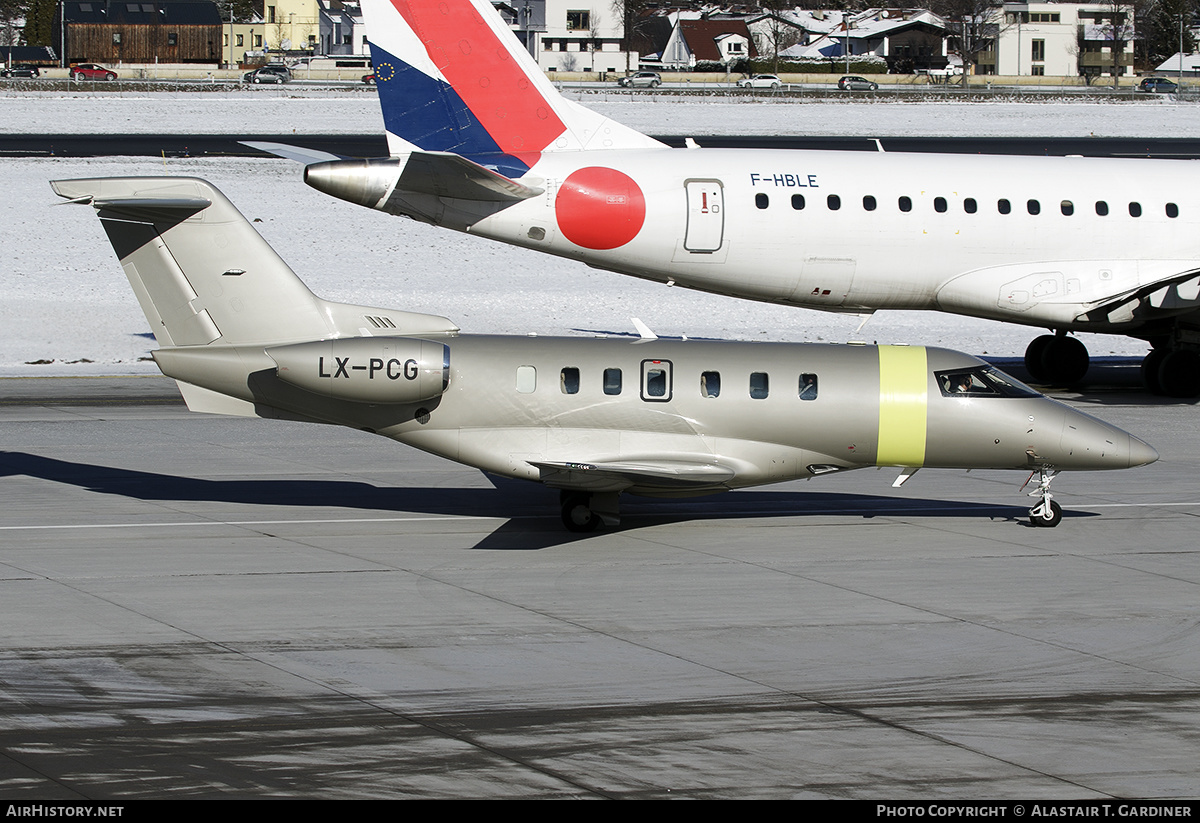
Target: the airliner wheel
(1179, 374)
(1065, 361)
(1150, 366)
(1033, 357)
(577, 514)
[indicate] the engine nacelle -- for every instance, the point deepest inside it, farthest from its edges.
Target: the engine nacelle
(391, 370)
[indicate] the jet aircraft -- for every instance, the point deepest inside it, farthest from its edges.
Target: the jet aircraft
(482, 142)
(593, 418)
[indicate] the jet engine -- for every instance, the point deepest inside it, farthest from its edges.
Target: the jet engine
(391, 370)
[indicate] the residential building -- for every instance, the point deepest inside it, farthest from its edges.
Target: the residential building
(161, 31)
(1062, 40)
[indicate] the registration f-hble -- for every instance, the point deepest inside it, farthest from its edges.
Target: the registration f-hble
(593, 418)
(482, 142)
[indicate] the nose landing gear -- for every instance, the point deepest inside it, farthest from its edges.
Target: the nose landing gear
(1047, 513)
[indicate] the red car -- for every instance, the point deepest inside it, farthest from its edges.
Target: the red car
(90, 71)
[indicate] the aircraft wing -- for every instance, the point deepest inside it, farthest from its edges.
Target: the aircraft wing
(1172, 295)
(660, 474)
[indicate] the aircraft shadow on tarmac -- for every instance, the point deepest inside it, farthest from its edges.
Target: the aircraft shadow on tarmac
(531, 512)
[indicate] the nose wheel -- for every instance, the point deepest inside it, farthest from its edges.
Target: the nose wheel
(1047, 513)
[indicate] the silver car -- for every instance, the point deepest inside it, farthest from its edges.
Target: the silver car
(643, 79)
(852, 83)
(760, 81)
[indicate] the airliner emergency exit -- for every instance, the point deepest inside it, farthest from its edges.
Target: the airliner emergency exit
(593, 418)
(482, 142)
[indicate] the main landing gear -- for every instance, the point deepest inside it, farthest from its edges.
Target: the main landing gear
(1063, 361)
(582, 512)
(1047, 513)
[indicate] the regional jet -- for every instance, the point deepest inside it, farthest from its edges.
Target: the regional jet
(592, 418)
(482, 142)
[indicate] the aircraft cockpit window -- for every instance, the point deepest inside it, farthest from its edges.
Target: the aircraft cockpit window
(612, 381)
(1003, 206)
(526, 379)
(1172, 210)
(710, 384)
(761, 200)
(1135, 209)
(983, 381)
(568, 380)
(808, 387)
(759, 385)
(1101, 208)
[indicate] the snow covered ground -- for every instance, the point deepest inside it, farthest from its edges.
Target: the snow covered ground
(63, 298)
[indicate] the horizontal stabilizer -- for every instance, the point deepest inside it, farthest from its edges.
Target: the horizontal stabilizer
(450, 175)
(288, 152)
(658, 474)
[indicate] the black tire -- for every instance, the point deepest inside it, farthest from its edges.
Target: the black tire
(1033, 357)
(110, 76)
(1179, 374)
(1065, 361)
(1046, 519)
(577, 514)
(654, 84)
(1150, 366)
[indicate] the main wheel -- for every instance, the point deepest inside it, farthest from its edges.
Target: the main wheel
(1046, 516)
(1179, 374)
(1065, 361)
(1150, 366)
(1033, 357)
(577, 514)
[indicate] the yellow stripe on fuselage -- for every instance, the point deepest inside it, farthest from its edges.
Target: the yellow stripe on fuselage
(903, 403)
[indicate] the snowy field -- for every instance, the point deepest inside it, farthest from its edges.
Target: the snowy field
(64, 300)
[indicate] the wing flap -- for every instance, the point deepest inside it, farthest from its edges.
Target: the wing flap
(658, 474)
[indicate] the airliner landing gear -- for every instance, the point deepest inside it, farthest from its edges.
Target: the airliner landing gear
(1047, 513)
(1057, 359)
(1172, 372)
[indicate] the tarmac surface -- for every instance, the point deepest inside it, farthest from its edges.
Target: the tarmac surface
(201, 606)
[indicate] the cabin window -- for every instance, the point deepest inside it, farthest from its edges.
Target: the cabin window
(939, 205)
(568, 380)
(656, 380)
(1101, 208)
(710, 384)
(612, 381)
(1135, 209)
(808, 387)
(1172, 210)
(761, 200)
(1068, 208)
(1003, 206)
(834, 202)
(868, 202)
(797, 201)
(1033, 206)
(905, 203)
(970, 206)
(526, 379)
(759, 385)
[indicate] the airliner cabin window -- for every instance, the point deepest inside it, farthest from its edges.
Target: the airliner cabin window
(710, 384)
(568, 380)
(939, 205)
(970, 206)
(834, 202)
(761, 200)
(1101, 208)
(905, 203)
(1172, 210)
(1003, 206)
(1033, 206)
(612, 381)
(1135, 209)
(1068, 208)
(759, 385)
(808, 387)
(797, 201)
(868, 202)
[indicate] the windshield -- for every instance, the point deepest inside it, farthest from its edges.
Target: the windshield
(982, 381)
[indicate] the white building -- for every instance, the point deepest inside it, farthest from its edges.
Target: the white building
(569, 35)
(1063, 40)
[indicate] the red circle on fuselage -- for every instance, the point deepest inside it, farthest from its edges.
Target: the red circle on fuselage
(600, 208)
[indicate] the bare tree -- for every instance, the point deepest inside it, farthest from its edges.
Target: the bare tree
(974, 27)
(773, 34)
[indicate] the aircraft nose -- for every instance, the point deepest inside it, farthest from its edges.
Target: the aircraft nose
(1088, 443)
(1141, 453)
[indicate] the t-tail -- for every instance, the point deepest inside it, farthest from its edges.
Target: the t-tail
(468, 114)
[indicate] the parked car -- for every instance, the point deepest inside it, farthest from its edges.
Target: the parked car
(760, 81)
(852, 83)
(265, 74)
(90, 71)
(369, 79)
(1157, 85)
(21, 70)
(643, 79)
